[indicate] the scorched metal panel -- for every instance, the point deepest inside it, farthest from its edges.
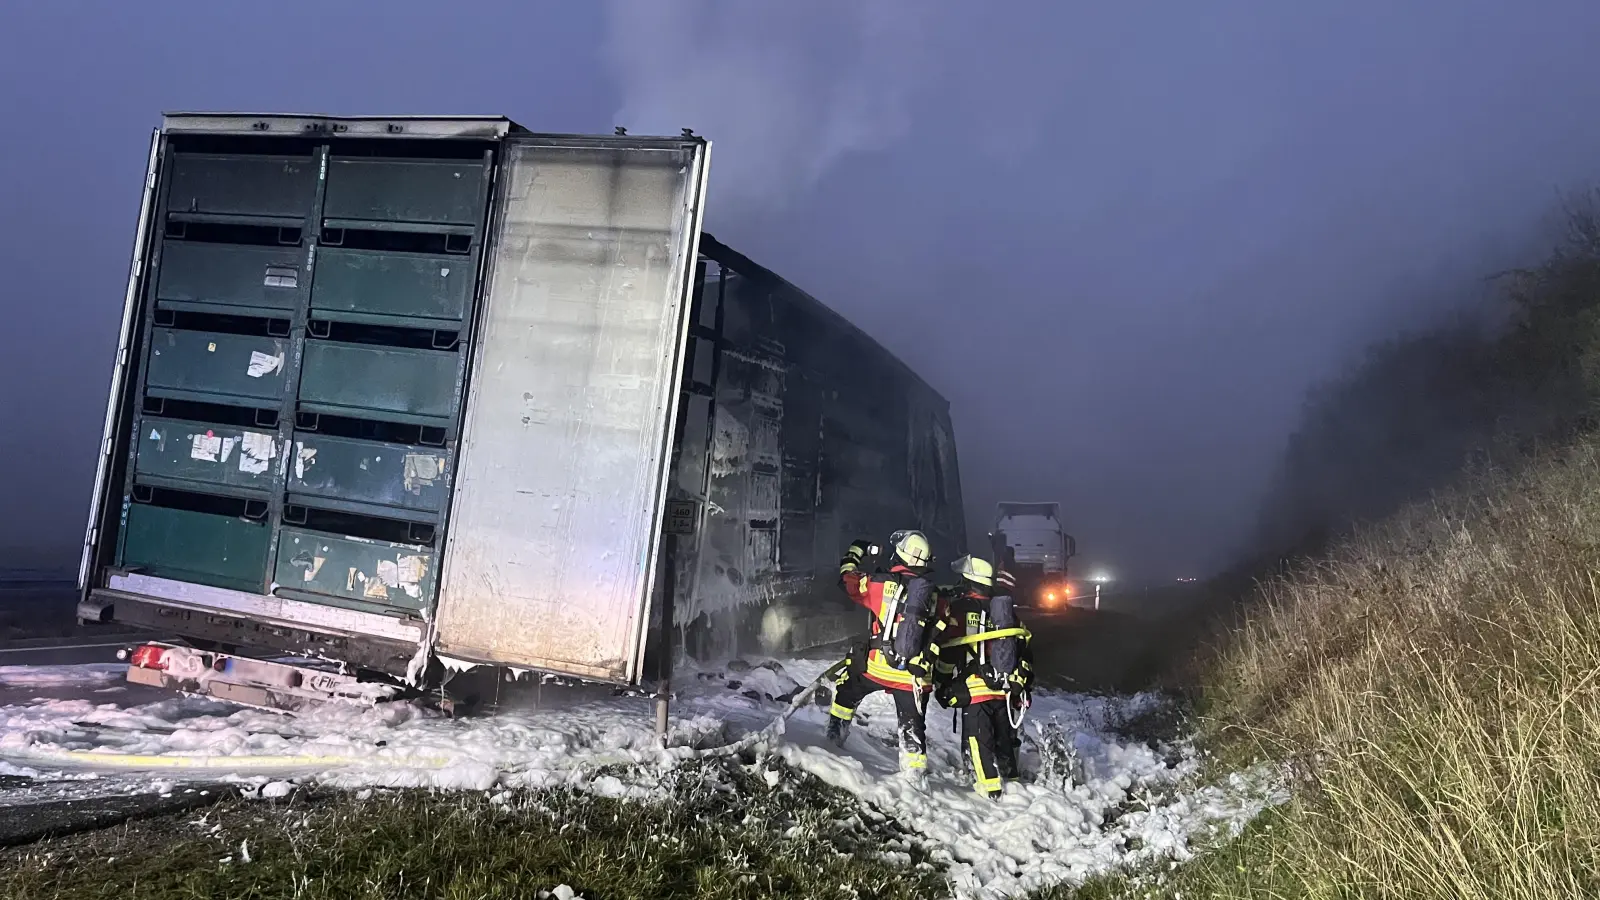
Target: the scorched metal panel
(556, 514)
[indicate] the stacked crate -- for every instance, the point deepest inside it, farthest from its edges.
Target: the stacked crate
(305, 342)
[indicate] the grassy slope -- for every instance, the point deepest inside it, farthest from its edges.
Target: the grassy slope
(1436, 684)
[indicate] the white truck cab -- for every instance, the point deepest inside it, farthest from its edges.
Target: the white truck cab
(1035, 548)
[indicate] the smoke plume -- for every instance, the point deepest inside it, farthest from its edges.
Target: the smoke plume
(783, 90)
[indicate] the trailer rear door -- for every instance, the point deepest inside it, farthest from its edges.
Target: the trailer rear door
(554, 527)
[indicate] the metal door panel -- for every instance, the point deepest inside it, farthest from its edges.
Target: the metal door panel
(555, 523)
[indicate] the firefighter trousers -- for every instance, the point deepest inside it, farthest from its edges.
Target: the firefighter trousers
(854, 686)
(991, 745)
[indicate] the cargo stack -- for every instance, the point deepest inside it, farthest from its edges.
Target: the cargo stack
(301, 393)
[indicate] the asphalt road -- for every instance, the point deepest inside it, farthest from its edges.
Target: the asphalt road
(71, 651)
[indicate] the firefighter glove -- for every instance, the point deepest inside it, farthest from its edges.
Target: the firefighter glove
(1017, 683)
(918, 667)
(853, 557)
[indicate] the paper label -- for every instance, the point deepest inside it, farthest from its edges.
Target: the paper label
(304, 458)
(420, 471)
(205, 447)
(412, 568)
(262, 364)
(375, 589)
(389, 572)
(258, 449)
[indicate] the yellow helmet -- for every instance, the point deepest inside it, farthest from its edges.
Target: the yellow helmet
(975, 570)
(912, 548)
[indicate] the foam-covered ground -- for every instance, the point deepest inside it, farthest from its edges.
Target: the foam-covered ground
(1125, 802)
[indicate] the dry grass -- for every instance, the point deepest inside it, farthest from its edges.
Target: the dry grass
(1437, 680)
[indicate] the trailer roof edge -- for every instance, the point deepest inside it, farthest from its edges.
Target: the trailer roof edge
(744, 265)
(481, 127)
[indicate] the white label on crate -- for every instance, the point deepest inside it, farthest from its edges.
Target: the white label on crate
(304, 457)
(257, 450)
(262, 364)
(205, 447)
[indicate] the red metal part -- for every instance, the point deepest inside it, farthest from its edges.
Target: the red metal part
(150, 656)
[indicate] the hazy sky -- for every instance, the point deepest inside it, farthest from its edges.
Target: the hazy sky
(1122, 238)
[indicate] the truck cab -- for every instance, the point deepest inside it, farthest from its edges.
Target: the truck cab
(1032, 544)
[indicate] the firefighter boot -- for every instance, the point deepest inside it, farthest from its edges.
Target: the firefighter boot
(838, 731)
(913, 743)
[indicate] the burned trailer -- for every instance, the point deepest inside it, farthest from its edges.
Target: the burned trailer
(396, 393)
(805, 434)
(399, 397)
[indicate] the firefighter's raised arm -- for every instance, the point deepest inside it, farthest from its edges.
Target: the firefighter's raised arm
(852, 571)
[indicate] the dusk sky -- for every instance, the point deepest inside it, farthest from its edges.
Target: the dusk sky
(1122, 238)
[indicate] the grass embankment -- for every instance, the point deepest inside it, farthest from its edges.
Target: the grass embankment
(1435, 684)
(723, 831)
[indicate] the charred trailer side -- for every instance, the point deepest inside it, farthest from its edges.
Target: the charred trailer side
(801, 432)
(397, 392)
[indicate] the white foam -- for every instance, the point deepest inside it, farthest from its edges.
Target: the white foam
(1131, 803)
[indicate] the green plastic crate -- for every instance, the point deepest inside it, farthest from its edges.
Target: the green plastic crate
(433, 192)
(201, 548)
(200, 457)
(369, 473)
(239, 370)
(389, 383)
(231, 277)
(230, 186)
(367, 285)
(355, 569)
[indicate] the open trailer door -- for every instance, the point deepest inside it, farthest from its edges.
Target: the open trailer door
(555, 524)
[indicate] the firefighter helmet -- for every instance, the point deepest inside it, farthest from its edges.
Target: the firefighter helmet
(912, 548)
(975, 570)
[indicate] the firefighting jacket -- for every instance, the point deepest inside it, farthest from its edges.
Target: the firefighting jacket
(903, 607)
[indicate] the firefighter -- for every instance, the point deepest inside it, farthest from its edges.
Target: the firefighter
(1005, 586)
(902, 603)
(853, 570)
(982, 669)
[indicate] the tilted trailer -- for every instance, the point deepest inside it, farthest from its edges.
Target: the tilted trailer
(397, 397)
